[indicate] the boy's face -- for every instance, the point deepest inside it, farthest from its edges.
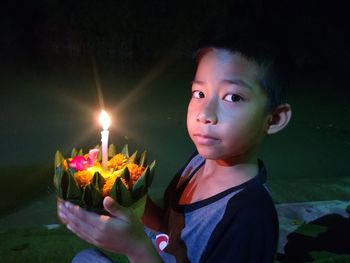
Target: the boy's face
(227, 116)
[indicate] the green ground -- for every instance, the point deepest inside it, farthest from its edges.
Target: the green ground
(37, 244)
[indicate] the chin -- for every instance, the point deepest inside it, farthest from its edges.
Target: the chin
(206, 153)
(211, 153)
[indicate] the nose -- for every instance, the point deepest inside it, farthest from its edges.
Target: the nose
(207, 114)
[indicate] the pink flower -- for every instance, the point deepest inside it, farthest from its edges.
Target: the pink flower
(93, 153)
(80, 163)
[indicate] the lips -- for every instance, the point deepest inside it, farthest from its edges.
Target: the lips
(205, 139)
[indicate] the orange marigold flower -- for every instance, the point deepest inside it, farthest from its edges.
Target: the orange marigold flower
(135, 172)
(108, 186)
(83, 177)
(118, 161)
(97, 163)
(65, 164)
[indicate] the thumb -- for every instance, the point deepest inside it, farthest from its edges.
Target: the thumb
(115, 209)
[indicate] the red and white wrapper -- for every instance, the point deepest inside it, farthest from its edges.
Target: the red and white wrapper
(162, 241)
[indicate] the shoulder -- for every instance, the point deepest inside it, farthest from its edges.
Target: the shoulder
(251, 202)
(255, 196)
(250, 215)
(248, 230)
(251, 212)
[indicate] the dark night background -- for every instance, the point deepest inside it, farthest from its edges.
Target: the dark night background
(142, 51)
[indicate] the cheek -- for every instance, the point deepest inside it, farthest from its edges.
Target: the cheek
(190, 119)
(241, 128)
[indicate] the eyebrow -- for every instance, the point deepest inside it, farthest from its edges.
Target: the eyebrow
(199, 82)
(238, 82)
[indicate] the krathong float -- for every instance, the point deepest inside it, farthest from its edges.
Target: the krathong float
(85, 179)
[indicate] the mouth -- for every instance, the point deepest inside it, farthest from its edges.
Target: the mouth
(205, 139)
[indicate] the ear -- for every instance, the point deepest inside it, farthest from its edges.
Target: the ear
(279, 118)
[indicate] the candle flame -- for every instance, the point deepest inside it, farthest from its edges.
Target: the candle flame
(104, 119)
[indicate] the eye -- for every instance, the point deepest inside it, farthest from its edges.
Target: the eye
(233, 98)
(197, 94)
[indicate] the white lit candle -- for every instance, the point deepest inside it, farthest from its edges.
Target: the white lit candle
(105, 122)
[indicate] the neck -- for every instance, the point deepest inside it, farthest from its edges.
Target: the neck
(214, 177)
(229, 174)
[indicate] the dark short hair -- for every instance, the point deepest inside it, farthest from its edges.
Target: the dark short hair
(272, 64)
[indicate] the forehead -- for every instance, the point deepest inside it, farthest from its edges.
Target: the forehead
(222, 64)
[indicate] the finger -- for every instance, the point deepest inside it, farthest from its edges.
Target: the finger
(89, 222)
(93, 233)
(80, 227)
(115, 209)
(60, 212)
(76, 221)
(81, 214)
(83, 235)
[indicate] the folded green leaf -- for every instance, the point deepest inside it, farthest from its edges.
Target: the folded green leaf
(112, 150)
(87, 196)
(97, 199)
(92, 198)
(126, 176)
(98, 181)
(74, 153)
(120, 193)
(73, 190)
(58, 174)
(81, 152)
(114, 192)
(125, 150)
(143, 159)
(58, 158)
(125, 194)
(133, 158)
(152, 167)
(63, 185)
(138, 207)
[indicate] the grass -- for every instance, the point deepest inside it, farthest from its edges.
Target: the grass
(40, 245)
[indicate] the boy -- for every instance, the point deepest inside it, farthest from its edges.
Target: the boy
(217, 208)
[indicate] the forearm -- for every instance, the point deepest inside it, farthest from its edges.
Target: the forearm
(153, 215)
(144, 252)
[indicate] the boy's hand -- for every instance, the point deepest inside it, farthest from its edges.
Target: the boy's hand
(121, 232)
(60, 202)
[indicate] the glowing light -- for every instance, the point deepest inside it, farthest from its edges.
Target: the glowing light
(105, 120)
